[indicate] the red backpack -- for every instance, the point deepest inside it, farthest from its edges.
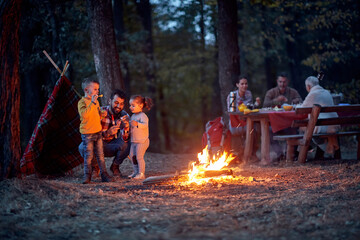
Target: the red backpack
(216, 136)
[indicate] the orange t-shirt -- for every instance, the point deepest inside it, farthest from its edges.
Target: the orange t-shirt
(89, 116)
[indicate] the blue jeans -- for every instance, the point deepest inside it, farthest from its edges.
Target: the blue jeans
(93, 143)
(116, 147)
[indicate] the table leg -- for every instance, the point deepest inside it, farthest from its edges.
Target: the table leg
(265, 141)
(249, 139)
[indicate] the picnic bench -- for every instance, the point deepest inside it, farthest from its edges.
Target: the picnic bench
(348, 115)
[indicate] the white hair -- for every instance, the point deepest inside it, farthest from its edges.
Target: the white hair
(312, 81)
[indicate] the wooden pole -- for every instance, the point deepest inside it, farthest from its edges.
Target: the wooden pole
(65, 68)
(53, 63)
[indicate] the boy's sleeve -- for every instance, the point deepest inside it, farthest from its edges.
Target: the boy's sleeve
(83, 109)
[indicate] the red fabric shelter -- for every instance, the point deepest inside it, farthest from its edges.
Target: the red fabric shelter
(53, 146)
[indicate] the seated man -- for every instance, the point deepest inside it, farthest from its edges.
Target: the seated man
(321, 96)
(115, 131)
(281, 94)
(276, 97)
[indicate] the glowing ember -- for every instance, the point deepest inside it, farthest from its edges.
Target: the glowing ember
(197, 173)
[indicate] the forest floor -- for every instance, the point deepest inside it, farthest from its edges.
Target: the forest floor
(318, 200)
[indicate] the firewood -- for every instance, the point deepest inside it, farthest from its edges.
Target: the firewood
(161, 179)
(216, 173)
(182, 177)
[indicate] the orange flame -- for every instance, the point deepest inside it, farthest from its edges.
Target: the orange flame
(196, 174)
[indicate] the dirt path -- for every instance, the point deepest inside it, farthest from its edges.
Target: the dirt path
(319, 200)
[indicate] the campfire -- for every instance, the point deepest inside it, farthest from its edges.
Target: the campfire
(206, 169)
(209, 167)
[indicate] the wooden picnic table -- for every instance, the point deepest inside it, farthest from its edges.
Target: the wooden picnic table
(277, 119)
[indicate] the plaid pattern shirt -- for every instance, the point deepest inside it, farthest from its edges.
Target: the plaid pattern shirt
(109, 121)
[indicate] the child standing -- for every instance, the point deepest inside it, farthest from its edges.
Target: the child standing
(90, 129)
(139, 132)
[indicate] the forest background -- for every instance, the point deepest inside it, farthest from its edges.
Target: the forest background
(169, 50)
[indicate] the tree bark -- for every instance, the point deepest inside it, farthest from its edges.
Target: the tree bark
(205, 109)
(103, 44)
(144, 11)
(229, 59)
(119, 34)
(10, 89)
(216, 108)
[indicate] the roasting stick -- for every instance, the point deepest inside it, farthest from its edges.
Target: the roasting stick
(53, 63)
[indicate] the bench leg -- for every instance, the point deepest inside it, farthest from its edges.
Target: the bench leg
(290, 152)
(303, 153)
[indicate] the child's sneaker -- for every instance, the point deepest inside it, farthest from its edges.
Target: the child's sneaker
(140, 176)
(132, 175)
(136, 171)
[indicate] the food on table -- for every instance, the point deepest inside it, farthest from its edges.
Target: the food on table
(287, 107)
(246, 111)
(242, 107)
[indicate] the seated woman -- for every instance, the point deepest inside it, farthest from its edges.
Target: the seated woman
(237, 126)
(242, 95)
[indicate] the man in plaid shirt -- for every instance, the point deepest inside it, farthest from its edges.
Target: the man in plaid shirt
(115, 131)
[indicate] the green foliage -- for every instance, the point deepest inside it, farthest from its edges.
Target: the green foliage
(179, 62)
(72, 39)
(350, 90)
(310, 35)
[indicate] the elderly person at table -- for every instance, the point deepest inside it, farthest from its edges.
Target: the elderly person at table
(321, 96)
(281, 94)
(242, 95)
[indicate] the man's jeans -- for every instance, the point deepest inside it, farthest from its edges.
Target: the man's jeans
(92, 143)
(116, 147)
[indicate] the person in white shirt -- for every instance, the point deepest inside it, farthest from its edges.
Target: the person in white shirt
(321, 96)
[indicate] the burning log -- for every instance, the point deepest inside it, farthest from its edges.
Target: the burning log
(204, 168)
(216, 173)
(184, 177)
(161, 179)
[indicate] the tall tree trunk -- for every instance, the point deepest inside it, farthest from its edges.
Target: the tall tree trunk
(119, 34)
(144, 11)
(229, 59)
(103, 44)
(10, 89)
(216, 109)
(33, 99)
(205, 109)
